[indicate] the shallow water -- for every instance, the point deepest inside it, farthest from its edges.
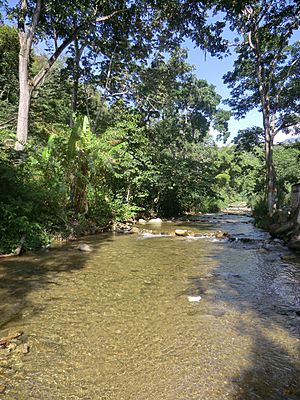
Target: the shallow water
(120, 322)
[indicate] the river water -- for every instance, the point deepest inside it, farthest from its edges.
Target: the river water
(153, 317)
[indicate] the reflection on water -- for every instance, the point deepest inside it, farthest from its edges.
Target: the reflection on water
(118, 323)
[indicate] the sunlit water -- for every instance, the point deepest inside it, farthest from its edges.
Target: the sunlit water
(150, 317)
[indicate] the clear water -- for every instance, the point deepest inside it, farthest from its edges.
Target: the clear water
(118, 323)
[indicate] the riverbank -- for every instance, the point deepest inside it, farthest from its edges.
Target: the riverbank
(287, 227)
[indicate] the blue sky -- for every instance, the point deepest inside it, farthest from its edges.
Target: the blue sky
(212, 69)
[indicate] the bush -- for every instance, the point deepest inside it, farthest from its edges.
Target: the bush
(260, 214)
(30, 202)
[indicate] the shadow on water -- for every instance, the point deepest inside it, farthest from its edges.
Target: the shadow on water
(265, 294)
(21, 276)
(274, 374)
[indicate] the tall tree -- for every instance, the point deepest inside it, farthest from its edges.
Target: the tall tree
(266, 72)
(64, 23)
(52, 20)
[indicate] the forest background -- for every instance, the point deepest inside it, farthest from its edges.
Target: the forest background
(118, 122)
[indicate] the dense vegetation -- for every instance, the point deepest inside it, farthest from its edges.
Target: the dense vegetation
(119, 128)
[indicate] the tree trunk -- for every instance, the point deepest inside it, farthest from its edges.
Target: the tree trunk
(76, 75)
(24, 95)
(271, 192)
(263, 80)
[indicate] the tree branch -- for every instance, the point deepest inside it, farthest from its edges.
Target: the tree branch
(106, 17)
(250, 40)
(40, 76)
(34, 23)
(287, 125)
(21, 15)
(291, 27)
(5, 124)
(287, 75)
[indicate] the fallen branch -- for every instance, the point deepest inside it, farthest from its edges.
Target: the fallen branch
(6, 340)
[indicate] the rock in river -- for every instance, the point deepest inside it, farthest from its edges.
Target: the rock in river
(84, 247)
(155, 221)
(194, 299)
(181, 232)
(221, 234)
(142, 221)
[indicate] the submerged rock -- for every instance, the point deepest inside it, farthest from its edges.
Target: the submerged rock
(84, 247)
(24, 348)
(221, 234)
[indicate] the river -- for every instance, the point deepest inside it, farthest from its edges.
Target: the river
(153, 317)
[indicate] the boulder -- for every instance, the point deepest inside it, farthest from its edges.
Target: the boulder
(181, 232)
(142, 221)
(135, 229)
(155, 221)
(294, 243)
(121, 227)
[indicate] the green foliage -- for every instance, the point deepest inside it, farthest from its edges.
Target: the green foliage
(286, 159)
(9, 48)
(248, 139)
(239, 177)
(50, 108)
(28, 206)
(260, 214)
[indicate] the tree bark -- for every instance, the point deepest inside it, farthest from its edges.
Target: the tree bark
(264, 90)
(76, 76)
(271, 192)
(25, 38)
(24, 94)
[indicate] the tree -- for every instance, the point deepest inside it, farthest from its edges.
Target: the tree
(60, 24)
(178, 110)
(53, 21)
(240, 169)
(266, 73)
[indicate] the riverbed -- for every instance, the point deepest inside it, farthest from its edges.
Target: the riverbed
(153, 316)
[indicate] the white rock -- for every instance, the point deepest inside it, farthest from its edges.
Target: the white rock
(142, 221)
(194, 299)
(155, 221)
